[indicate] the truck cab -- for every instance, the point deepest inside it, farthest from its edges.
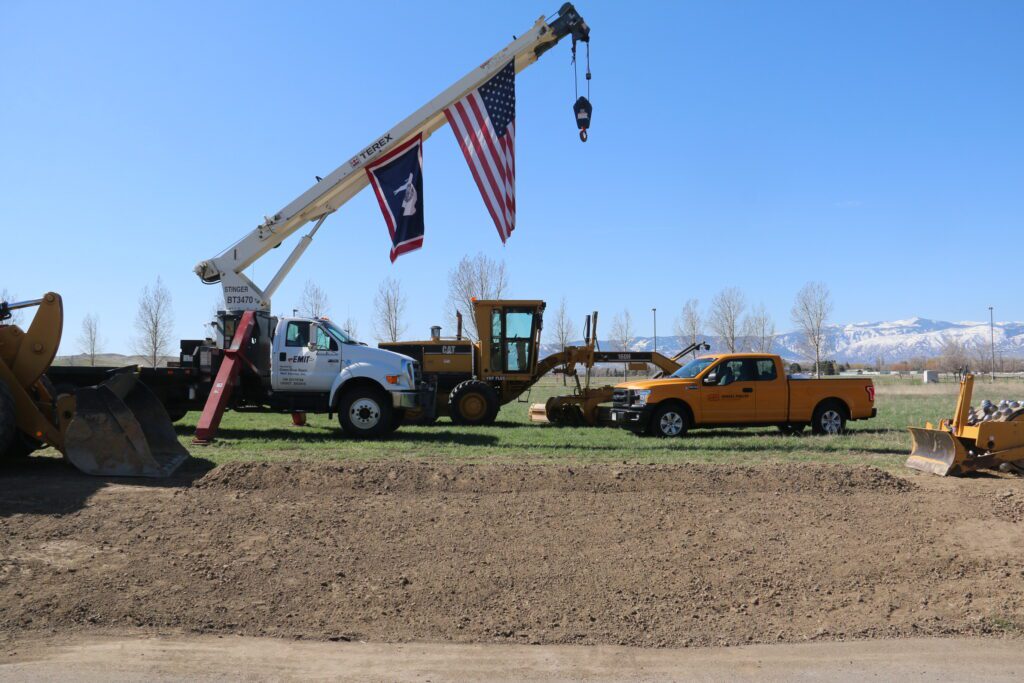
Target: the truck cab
(740, 389)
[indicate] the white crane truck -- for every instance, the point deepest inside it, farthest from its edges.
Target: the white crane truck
(258, 361)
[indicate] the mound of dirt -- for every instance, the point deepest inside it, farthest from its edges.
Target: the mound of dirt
(375, 478)
(603, 554)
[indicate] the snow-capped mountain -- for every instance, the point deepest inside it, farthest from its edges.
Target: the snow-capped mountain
(892, 341)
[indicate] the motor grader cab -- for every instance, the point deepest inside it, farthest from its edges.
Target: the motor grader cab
(475, 378)
(990, 436)
(117, 428)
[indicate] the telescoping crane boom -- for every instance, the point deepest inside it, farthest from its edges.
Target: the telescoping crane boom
(332, 191)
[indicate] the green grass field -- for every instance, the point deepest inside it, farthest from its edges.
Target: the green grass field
(883, 441)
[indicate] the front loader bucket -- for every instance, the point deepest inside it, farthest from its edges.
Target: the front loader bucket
(936, 451)
(121, 429)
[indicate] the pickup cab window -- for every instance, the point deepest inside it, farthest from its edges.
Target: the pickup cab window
(693, 368)
(324, 342)
(765, 370)
(735, 370)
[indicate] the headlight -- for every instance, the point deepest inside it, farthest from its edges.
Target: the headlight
(640, 397)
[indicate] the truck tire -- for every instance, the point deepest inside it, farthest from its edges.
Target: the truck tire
(829, 418)
(669, 421)
(366, 412)
(8, 420)
(473, 403)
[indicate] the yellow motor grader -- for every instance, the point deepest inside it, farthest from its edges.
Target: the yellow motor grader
(474, 379)
(990, 436)
(116, 428)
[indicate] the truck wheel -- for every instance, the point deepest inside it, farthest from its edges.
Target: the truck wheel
(365, 412)
(829, 418)
(669, 421)
(8, 420)
(791, 430)
(473, 403)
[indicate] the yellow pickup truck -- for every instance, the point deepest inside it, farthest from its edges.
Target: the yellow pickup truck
(741, 389)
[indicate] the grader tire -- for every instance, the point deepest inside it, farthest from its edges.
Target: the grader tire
(473, 403)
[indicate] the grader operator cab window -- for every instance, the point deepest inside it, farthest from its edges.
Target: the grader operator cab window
(512, 339)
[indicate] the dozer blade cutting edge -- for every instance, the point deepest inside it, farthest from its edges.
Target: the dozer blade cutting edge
(935, 451)
(121, 429)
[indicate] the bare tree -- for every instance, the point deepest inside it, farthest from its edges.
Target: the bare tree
(314, 303)
(724, 317)
(759, 330)
(688, 323)
(154, 323)
(954, 355)
(810, 313)
(10, 297)
(564, 328)
(477, 277)
(389, 309)
(350, 327)
(89, 341)
(622, 334)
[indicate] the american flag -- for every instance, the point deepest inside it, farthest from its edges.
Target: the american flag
(484, 122)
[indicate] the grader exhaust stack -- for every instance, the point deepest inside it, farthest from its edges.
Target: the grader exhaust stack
(116, 428)
(990, 436)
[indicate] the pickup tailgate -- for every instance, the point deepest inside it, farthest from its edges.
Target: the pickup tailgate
(857, 393)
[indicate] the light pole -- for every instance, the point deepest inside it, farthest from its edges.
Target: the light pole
(992, 340)
(654, 311)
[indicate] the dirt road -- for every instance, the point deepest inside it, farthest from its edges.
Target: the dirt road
(665, 556)
(211, 658)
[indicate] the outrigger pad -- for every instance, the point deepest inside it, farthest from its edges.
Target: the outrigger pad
(935, 451)
(121, 429)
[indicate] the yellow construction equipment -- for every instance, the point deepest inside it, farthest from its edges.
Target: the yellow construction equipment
(990, 436)
(474, 379)
(117, 428)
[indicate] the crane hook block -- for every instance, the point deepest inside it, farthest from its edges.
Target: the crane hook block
(583, 110)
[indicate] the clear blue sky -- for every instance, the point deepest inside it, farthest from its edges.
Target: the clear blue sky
(728, 138)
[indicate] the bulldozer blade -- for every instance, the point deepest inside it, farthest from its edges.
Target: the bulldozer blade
(935, 451)
(121, 429)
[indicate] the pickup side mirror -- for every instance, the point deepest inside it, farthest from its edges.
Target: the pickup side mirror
(711, 379)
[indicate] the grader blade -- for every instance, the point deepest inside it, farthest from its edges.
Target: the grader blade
(935, 451)
(121, 429)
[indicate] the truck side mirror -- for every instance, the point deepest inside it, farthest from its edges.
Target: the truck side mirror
(711, 378)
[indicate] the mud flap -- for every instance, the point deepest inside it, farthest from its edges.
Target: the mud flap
(935, 451)
(121, 429)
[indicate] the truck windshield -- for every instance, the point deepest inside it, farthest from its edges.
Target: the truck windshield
(337, 332)
(693, 368)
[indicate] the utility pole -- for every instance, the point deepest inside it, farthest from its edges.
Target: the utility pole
(992, 341)
(654, 311)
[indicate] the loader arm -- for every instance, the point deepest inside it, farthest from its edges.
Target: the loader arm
(332, 191)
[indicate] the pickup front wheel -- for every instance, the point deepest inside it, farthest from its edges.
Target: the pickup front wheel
(366, 412)
(669, 421)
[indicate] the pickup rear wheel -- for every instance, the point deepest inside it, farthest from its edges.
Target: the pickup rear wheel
(669, 421)
(365, 411)
(829, 418)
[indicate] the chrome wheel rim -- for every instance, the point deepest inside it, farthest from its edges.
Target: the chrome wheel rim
(831, 422)
(364, 413)
(671, 424)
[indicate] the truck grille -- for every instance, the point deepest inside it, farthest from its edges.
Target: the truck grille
(621, 398)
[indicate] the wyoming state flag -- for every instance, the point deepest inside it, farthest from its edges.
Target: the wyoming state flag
(397, 180)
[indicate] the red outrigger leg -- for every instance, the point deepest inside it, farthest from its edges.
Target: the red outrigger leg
(217, 401)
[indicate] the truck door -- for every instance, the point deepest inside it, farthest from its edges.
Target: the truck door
(727, 393)
(305, 358)
(772, 391)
